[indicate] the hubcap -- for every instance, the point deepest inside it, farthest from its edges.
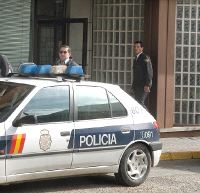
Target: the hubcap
(137, 164)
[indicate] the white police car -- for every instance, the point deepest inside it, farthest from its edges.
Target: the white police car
(51, 128)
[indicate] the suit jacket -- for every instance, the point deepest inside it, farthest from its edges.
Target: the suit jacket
(69, 63)
(142, 71)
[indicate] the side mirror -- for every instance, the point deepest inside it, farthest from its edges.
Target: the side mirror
(27, 119)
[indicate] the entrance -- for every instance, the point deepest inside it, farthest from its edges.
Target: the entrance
(53, 33)
(54, 27)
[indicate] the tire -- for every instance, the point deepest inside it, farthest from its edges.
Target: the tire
(134, 166)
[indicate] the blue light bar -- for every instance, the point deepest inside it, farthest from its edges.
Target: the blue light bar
(74, 71)
(28, 69)
(31, 69)
(43, 69)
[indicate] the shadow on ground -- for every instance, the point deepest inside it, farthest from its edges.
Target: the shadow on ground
(61, 185)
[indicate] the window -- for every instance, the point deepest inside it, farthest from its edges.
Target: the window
(11, 95)
(92, 103)
(117, 108)
(53, 8)
(187, 64)
(50, 33)
(50, 104)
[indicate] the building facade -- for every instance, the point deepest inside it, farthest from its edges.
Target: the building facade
(101, 33)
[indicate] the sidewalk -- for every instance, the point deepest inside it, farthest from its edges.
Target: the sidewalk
(180, 148)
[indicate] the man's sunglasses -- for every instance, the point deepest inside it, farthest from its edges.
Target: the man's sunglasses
(63, 52)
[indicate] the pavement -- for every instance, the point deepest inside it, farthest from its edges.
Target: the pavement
(178, 148)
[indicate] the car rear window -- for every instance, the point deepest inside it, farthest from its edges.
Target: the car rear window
(92, 103)
(117, 109)
(11, 95)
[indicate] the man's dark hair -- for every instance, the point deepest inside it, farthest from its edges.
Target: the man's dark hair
(139, 42)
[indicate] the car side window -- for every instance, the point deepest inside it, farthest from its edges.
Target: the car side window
(50, 104)
(92, 103)
(117, 109)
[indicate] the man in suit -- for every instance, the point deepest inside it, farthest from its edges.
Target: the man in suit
(142, 74)
(65, 56)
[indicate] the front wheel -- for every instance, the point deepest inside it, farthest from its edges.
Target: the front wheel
(134, 166)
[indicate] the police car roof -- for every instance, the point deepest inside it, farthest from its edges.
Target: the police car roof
(42, 81)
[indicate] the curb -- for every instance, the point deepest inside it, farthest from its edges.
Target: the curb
(180, 155)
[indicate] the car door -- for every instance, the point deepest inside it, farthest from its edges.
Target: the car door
(102, 127)
(2, 153)
(39, 139)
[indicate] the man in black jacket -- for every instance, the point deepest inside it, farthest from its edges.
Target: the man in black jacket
(142, 74)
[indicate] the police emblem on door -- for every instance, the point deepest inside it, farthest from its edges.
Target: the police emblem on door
(45, 140)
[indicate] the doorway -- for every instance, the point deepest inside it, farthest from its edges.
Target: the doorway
(54, 28)
(53, 33)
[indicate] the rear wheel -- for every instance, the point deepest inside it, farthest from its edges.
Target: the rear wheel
(135, 166)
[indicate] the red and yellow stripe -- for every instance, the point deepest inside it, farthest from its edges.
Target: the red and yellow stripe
(17, 143)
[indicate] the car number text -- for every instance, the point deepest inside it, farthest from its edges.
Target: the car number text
(146, 134)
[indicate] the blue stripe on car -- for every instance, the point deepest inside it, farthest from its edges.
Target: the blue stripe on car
(112, 135)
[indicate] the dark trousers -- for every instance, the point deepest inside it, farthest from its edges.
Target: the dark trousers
(140, 95)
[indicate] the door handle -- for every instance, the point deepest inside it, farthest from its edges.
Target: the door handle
(125, 130)
(65, 133)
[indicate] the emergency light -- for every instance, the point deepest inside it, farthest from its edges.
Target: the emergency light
(31, 69)
(26, 69)
(43, 69)
(75, 71)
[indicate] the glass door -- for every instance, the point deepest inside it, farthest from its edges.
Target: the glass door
(50, 36)
(53, 33)
(77, 29)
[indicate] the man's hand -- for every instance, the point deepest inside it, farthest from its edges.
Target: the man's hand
(146, 88)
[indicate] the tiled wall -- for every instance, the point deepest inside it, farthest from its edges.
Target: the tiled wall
(116, 25)
(187, 63)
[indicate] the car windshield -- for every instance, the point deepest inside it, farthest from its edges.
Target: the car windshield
(11, 95)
